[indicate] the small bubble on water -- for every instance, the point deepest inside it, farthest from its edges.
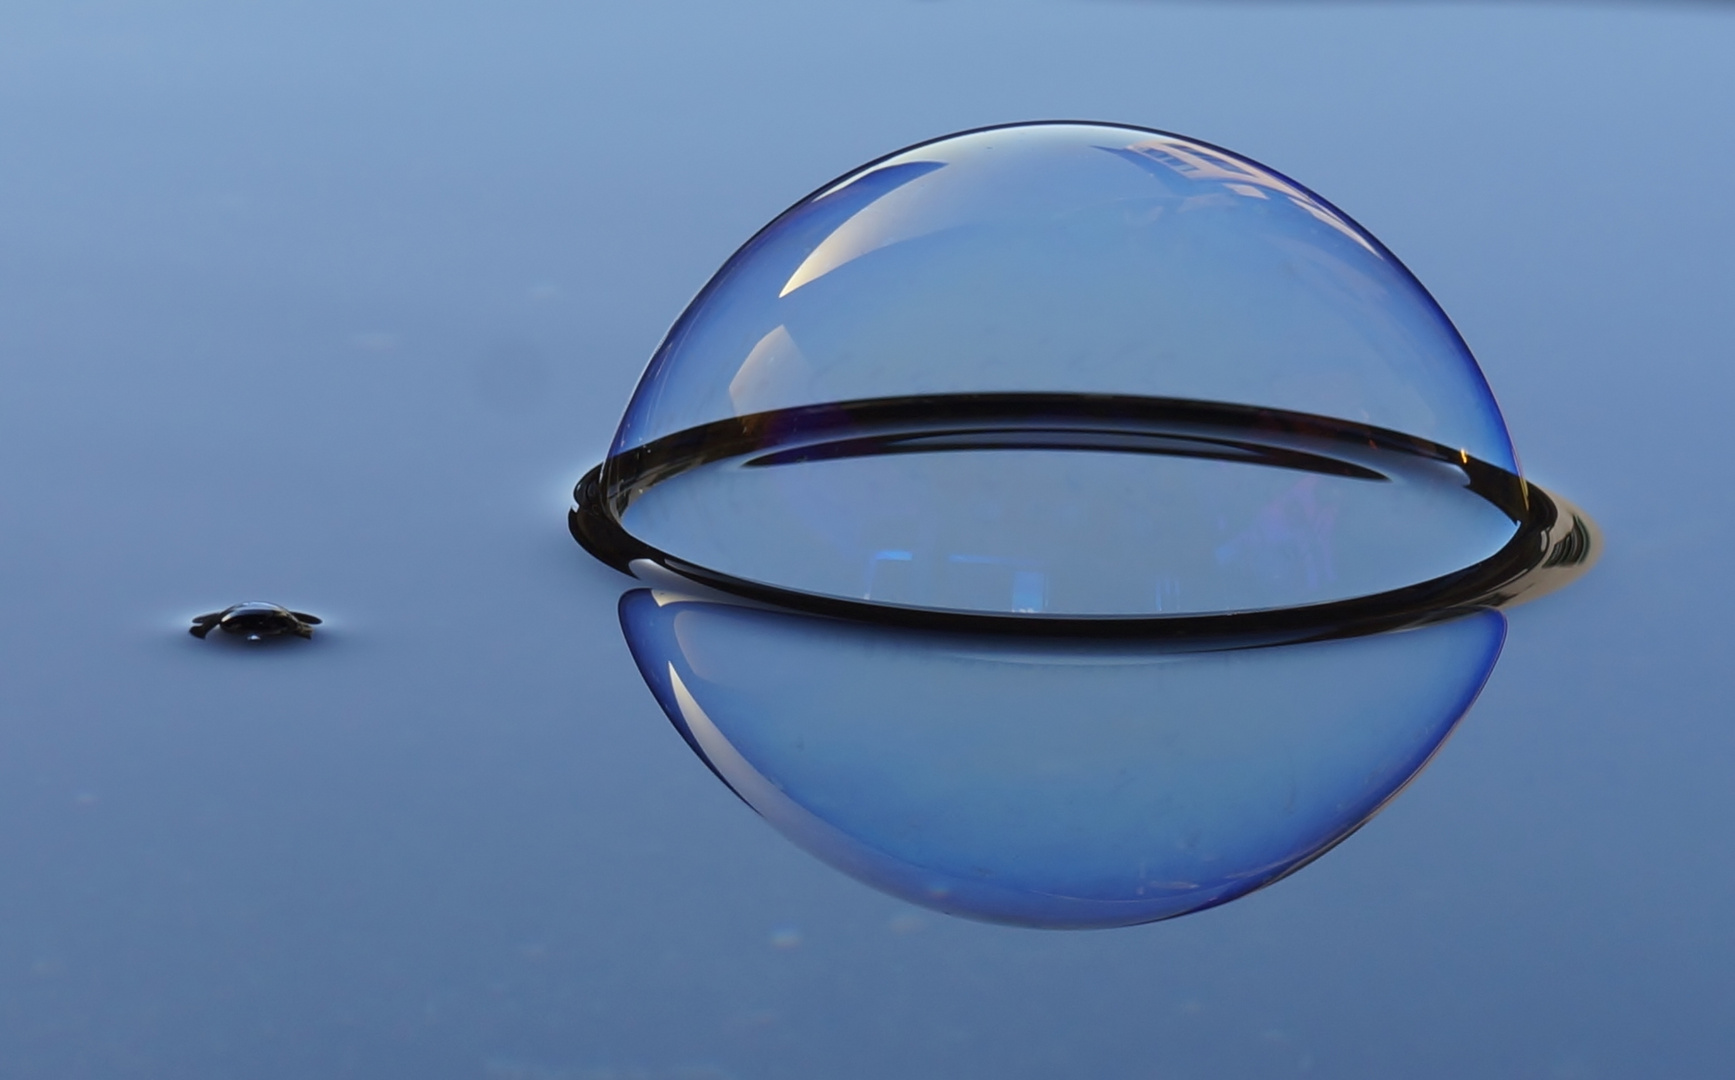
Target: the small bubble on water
(255, 621)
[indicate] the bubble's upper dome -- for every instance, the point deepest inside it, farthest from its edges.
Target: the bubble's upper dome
(1067, 371)
(1069, 258)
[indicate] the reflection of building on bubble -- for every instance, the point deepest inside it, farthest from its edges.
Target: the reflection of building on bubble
(1068, 525)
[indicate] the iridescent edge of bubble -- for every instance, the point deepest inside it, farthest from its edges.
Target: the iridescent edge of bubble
(1553, 542)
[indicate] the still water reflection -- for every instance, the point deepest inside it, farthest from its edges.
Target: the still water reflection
(1050, 782)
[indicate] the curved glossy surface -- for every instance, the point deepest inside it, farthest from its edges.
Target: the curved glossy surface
(1089, 273)
(1050, 783)
(1069, 258)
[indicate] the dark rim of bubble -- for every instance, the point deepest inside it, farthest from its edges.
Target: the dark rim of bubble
(1552, 544)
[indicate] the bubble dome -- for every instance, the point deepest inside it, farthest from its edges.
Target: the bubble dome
(1067, 371)
(1077, 258)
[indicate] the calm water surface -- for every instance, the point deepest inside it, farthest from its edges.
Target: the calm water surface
(329, 308)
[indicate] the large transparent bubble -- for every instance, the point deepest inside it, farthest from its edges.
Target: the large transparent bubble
(1071, 370)
(1068, 525)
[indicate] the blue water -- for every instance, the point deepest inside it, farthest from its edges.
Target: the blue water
(327, 307)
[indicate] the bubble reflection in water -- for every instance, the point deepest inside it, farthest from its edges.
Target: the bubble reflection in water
(1049, 782)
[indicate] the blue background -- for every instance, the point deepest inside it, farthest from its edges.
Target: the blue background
(329, 304)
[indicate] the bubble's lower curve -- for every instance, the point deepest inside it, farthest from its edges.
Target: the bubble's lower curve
(1047, 782)
(932, 642)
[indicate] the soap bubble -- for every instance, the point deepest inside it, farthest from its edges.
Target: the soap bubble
(1194, 448)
